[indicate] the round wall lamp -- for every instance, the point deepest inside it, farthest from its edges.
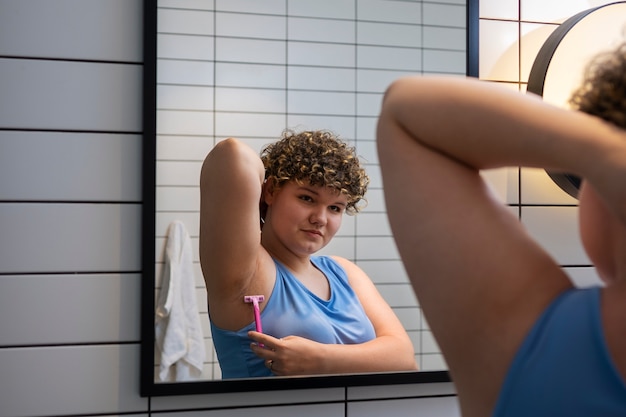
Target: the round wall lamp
(559, 66)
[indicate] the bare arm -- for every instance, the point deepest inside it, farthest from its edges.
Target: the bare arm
(230, 240)
(390, 351)
(480, 279)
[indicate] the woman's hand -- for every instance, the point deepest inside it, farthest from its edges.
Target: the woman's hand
(291, 355)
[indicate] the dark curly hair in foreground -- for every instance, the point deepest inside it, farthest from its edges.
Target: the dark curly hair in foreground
(603, 91)
(320, 158)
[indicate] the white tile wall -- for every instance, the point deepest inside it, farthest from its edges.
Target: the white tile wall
(70, 207)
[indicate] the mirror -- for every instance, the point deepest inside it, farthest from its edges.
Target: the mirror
(560, 63)
(251, 69)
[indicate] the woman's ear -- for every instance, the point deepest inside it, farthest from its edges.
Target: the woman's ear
(268, 189)
(267, 192)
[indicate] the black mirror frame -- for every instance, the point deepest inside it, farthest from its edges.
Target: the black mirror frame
(536, 82)
(147, 385)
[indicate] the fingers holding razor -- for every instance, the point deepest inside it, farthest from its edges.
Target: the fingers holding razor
(268, 348)
(291, 355)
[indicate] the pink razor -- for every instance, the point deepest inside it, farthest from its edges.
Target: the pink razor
(255, 300)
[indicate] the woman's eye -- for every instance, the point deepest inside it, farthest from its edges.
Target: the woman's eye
(336, 209)
(305, 198)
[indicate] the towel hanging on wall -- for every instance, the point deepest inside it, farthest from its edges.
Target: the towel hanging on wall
(179, 337)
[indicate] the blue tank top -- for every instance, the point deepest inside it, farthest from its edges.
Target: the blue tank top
(563, 367)
(294, 310)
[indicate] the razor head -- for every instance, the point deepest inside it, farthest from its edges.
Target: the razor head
(253, 298)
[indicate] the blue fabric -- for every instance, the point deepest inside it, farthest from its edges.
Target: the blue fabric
(294, 310)
(563, 367)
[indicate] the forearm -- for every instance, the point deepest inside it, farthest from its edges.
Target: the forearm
(295, 355)
(383, 354)
(485, 126)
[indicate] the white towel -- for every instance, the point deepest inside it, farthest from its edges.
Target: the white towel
(178, 331)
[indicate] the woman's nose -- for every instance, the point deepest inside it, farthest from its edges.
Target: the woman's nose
(318, 216)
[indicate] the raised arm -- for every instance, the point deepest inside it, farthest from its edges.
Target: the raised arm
(479, 277)
(230, 238)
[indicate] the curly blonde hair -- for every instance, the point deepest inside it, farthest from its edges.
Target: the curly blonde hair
(603, 91)
(320, 158)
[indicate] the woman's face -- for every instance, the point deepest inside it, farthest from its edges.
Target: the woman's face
(304, 218)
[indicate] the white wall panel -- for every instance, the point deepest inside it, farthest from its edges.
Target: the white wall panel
(444, 38)
(340, 246)
(366, 149)
(314, 53)
(366, 126)
(250, 75)
(248, 125)
(190, 22)
(384, 57)
(410, 317)
(399, 391)
(72, 29)
(444, 406)
(42, 237)
(321, 79)
(342, 9)
(390, 11)
(384, 271)
(180, 122)
(320, 30)
(443, 62)
(178, 173)
(182, 199)
(308, 410)
(103, 97)
(400, 295)
(194, 72)
(249, 6)
(254, 100)
(376, 224)
(250, 50)
(499, 9)
(377, 248)
(555, 11)
(375, 200)
(35, 309)
(174, 46)
(389, 34)
(250, 26)
(193, 4)
(233, 400)
(499, 57)
(319, 102)
(185, 97)
(445, 15)
(183, 147)
(52, 166)
(70, 380)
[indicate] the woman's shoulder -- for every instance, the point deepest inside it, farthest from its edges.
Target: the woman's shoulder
(334, 262)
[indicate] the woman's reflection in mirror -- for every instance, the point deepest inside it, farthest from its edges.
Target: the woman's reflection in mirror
(262, 221)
